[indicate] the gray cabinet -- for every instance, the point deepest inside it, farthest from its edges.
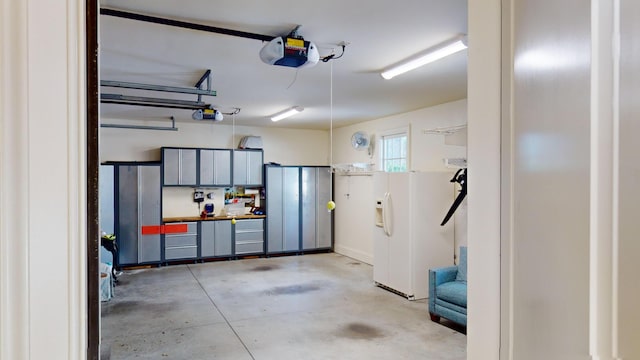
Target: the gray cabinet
(179, 166)
(315, 219)
(182, 245)
(211, 167)
(215, 167)
(247, 167)
(138, 215)
(107, 193)
(283, 208)
(297, 216)
(215, 238)
(249, 236)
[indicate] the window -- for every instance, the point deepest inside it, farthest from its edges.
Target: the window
(394, 152)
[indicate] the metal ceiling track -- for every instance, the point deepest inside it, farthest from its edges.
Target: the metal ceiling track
(108, 98)
(184, 24)
(152, 102)
(172, 89)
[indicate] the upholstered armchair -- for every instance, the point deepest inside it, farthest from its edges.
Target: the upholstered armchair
(448, 291)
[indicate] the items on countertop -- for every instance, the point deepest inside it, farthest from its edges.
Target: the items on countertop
(213, 218)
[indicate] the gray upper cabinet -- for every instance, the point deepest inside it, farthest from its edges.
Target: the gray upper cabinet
(216, 238)
(315, 219)
(211, 167)
(179, 166)
(247, 167)
(215, 167)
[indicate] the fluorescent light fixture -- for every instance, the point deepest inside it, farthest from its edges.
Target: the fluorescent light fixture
(286, 113)
(435, 53)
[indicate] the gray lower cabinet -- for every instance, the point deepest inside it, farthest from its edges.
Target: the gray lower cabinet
(137, 202)
(283, 208)
(215, 238)
(249, 236)
(179, 166)
(315, 219)
(182, 245)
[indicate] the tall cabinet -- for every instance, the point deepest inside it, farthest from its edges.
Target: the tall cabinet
(283, 208)
(315, 219)
(297, 217)
(138, 212)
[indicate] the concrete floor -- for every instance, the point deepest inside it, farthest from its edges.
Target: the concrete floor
(321, 306)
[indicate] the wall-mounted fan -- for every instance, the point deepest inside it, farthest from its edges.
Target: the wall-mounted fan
(360, 141)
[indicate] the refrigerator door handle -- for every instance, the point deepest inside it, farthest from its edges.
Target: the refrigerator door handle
(385, 211)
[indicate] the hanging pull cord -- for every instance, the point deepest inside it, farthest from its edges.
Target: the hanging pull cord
(459, 177)
(331, 205)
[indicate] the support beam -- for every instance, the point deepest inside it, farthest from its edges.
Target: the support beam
(205, 76)
(184, 24)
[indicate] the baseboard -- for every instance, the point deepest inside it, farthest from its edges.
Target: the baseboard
(355, 254)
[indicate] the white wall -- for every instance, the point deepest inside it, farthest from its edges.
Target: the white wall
(571, 117)
(550, 179)
(626, 288)
(285, 146)
(178, 201)
(354, 194)
(483, 94)
(354, 217)
(427, 150)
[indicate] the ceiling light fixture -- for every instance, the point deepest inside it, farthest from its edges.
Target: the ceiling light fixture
(286, 113)
(430, 55)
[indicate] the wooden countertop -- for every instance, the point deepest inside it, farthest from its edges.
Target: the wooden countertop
(198, 218)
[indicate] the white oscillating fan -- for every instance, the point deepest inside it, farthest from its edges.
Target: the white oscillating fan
(360, 140)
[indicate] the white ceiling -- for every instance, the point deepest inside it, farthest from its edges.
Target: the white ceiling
(379, 33)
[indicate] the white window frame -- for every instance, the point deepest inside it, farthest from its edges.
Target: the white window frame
(405, 130)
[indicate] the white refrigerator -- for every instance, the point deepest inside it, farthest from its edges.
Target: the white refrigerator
(408, 238)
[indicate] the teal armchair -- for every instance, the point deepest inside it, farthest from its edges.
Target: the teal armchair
(448, 291)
